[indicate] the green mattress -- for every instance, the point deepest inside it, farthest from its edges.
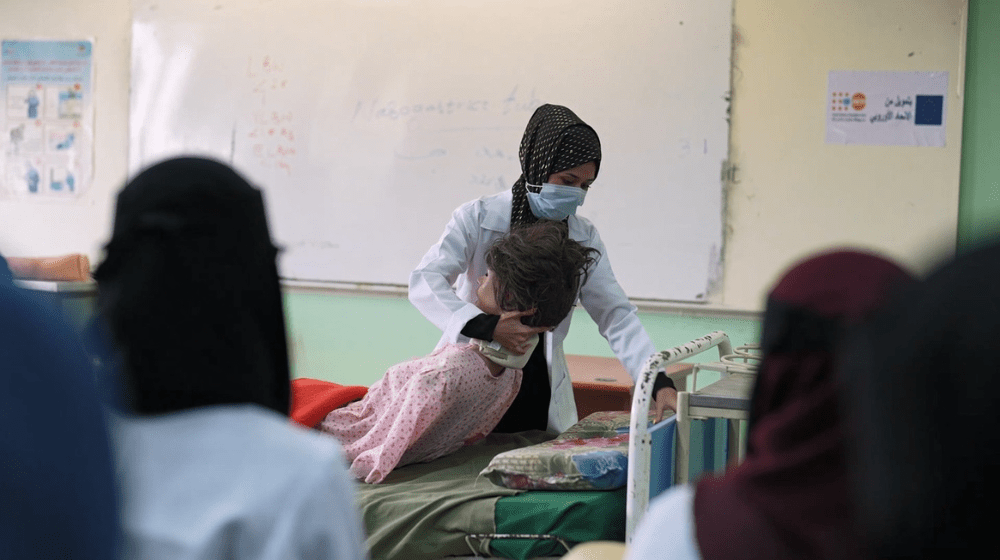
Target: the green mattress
(575, 517)
(427, 511)
(430, 511)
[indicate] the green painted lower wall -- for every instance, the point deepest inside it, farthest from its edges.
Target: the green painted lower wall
(353, 339)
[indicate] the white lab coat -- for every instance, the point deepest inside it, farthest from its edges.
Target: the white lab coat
(233, 481)
(443, 288)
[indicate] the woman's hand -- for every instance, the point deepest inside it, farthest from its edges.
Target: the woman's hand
(514, 335)
(665, 398)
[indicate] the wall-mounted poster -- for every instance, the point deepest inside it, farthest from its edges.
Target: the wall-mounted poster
(46, 122)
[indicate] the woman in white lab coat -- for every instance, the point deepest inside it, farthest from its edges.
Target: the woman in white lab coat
(560, 157)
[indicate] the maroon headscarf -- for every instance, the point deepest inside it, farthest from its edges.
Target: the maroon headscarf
(789, 498)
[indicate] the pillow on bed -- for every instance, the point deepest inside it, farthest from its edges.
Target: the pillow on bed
(591, 455)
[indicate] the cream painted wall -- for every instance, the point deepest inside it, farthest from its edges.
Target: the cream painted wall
(794, 194)
(82, 225)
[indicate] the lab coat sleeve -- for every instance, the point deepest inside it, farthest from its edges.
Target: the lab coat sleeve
(609, 307)
(431, 286)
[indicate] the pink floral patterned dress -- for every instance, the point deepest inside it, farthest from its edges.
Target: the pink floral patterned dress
(422, 409)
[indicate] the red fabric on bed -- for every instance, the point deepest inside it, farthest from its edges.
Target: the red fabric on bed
(313, 399)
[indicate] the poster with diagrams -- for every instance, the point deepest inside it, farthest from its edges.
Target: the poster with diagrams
(47, 119)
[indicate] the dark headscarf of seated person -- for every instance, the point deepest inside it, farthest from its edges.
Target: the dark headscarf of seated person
(209, 462)
(57, 489)
(190, 294)
(789, 498)
(925, 406)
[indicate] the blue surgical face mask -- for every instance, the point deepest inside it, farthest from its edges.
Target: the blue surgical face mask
(555, 202)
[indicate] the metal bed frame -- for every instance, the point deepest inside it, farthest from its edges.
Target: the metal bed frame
(743, 360)
(640, 441)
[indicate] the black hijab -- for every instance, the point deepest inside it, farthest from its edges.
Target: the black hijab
(925, 406)
(554, 140)
(189, 290)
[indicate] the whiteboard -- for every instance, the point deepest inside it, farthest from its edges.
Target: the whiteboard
(367, 122)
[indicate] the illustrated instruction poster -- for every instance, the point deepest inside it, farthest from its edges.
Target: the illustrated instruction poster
(887, 108)
(47, 118)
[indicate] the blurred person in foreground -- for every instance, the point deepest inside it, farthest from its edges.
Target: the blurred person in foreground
(210, 464)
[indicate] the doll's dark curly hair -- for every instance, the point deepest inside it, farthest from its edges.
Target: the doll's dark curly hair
(539, 267)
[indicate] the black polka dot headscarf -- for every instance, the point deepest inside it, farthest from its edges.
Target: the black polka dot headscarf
(555, 140)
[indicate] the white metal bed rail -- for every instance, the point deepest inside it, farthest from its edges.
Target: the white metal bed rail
(637, 497)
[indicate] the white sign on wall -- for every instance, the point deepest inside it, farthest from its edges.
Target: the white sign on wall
(886, 108)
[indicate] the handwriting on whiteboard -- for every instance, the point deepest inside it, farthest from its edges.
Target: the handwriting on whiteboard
(272, 132)
(376, 109)
(495, 182)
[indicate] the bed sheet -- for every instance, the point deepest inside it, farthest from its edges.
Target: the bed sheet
(424, 511)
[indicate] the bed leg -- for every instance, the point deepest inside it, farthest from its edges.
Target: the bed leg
(683, 459)
(734, 445)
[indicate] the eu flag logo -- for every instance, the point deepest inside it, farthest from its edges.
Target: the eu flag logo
(929, 109)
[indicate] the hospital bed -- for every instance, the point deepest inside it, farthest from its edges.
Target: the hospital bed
(445, 508)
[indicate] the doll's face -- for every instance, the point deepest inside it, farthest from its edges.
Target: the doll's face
(486, 294)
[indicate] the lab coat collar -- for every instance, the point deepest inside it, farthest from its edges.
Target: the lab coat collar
(497, 217)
